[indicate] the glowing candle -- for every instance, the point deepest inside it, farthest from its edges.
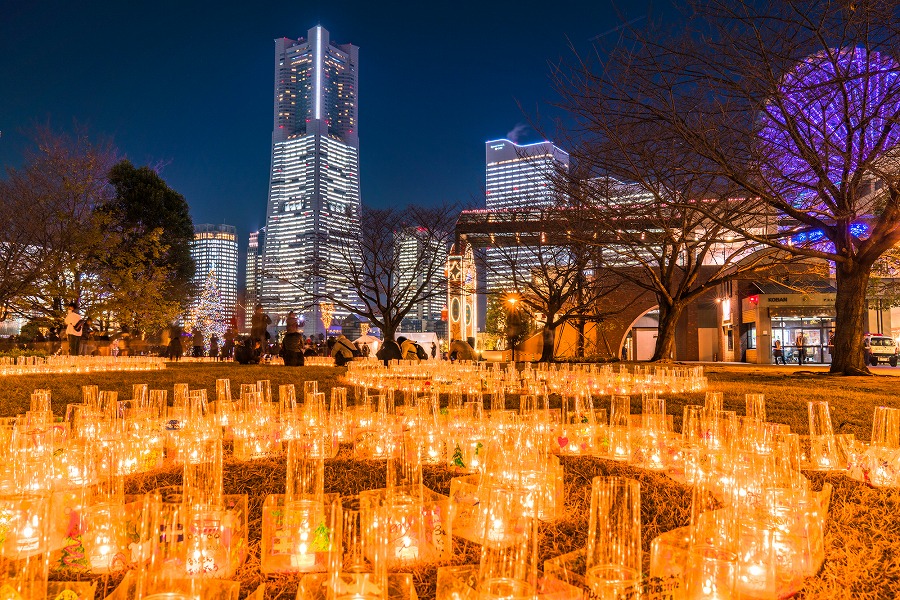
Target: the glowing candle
(406, 550)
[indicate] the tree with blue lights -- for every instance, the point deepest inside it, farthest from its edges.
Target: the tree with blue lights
(794, 106)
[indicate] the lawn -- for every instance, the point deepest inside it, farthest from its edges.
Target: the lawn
(862, 541)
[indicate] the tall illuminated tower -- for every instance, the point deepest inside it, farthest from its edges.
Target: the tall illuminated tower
(314, 197)
(518, 177)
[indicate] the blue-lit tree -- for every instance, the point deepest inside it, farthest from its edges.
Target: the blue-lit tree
(797, 104)
(827, 154)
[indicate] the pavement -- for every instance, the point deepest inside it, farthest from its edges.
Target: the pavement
(879, 370)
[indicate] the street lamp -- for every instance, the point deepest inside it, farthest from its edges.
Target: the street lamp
(513, 327)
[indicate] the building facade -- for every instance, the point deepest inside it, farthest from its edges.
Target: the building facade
(517, 177)
(254, 270)
(754, 315)
(215, 249)
(314, 193)
(417, 252)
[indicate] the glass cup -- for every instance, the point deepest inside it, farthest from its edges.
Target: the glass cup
(40, 401)
(823, 450)
(202, 480)
(223, 390)
(711, 569)
(310, 388)
(886, 427)
(756, 406)
(90, 395)
(287, 398)
(613, 555)
(140, 394)
(305, 478)
(24, 524)
(713, 401)
(508, 565)
(359, 570)
(264, 386)
(619, 422)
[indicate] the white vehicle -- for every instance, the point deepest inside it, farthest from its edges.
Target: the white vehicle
(880, 349)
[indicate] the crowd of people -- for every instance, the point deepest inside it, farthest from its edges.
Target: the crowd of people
(260, 346)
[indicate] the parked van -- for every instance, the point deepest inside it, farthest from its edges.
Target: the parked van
(880, 349)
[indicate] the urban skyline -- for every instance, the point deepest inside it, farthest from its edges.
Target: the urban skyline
(314, 192)
(212, 137)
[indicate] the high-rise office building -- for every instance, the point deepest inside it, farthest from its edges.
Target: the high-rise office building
(518, 177)
(416, 253)
(254, 273)
(314, 196)
(215, 249)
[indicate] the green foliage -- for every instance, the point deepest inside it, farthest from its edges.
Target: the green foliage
(457, 459)
(35, 327)
(495, 319)
(884, 284)
(17, 352)
(109, 235)
(142, 250)
(144, 205)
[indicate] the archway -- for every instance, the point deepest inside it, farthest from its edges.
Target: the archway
(639, 341)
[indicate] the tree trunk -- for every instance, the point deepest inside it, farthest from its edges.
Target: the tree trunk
(850, 310)
(548, 335)
(579, 350)
(388, 332)
(665, 340)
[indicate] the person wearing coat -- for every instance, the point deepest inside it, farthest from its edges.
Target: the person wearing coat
(390, 350)
(292, 346)
(342, 350)
(408, 349)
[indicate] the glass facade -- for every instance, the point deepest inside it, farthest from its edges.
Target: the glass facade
(815, 331)
(415, 251)
(314, 194)
(517, 177)
(215, 248)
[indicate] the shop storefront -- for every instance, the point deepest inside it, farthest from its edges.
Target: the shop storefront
(802, 324)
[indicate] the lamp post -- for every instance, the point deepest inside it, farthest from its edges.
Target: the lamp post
(512, 327)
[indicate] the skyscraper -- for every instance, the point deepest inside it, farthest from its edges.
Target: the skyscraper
(314, 197)
(215, 248)
(253, 282)
(415, 247)
(517, 177)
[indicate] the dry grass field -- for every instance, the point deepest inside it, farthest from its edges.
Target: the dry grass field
(862, 540)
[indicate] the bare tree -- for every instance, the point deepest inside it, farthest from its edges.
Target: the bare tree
(649, 204)
(49, 223)
(550, 274)
(796, 103)
(397, 262)
(23, 253)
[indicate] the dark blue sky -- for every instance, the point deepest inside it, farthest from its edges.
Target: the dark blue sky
(191, 83)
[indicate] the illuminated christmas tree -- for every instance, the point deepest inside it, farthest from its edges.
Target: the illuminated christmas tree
(207, 314)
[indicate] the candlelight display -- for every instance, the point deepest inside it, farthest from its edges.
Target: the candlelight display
(508, 565)
(64, 364)
(756, 528)
(24, 546)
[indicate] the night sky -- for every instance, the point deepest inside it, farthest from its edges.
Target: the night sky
(191, 84)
